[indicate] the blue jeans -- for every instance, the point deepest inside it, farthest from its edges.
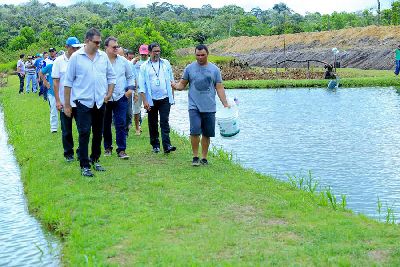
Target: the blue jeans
(29, 78)
(397, 70)
(115, 110)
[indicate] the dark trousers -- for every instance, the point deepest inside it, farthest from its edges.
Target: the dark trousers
(116, 110)
(129, 113)
(21, 82)
(89, 119)
(397, 70)
(66, 128)
(161, 107)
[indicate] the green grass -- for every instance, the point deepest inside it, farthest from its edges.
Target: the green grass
(184, 60)
(156, 209)
(344, 82)
(8, 67)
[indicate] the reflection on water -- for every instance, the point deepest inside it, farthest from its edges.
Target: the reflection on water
(22, 242)
(349, 139)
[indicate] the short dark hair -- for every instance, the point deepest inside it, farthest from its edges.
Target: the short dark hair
(130, 52)
(91, 33)
(110, 38)
(21, 56)
(201, 47)
(152, 45)
(45, 52)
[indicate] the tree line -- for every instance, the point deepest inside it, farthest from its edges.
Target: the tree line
(33, 26)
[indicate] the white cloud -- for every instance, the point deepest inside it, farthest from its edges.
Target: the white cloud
(299, 6)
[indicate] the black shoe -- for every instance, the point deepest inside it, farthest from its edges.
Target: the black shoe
(156, 150)
(169, 149)
(196, 162)
(97, 167)
(204, 162)
(69, 158)
(85, 171)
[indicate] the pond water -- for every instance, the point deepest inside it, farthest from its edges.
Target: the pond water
(349, 139)
(22, 241)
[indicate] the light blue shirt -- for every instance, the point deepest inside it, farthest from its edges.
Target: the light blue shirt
(89, 79)
(125, 77)
(145, 82)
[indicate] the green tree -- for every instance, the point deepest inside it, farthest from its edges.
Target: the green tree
(18, 43)
(28, 33)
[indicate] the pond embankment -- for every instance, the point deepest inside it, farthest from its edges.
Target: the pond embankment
(156, 209)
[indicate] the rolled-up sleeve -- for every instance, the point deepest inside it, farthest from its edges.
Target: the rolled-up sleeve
(70, 73)
(111, 76)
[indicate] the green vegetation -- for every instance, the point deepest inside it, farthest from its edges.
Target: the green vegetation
(35, 26)
(156, 209)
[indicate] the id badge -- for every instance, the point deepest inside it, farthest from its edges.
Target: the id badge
(158, 82)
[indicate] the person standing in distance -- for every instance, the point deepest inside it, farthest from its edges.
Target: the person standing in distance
(205, 81)
(21, 72)
(92, 78)
(155, 80)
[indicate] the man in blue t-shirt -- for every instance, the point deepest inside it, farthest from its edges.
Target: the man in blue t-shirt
(204, 79)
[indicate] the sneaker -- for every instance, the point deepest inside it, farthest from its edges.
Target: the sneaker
(69, 158)
(85, 171)
(156, 150)
(204, 162)
(123, 155)
(107, 152)
(97, 167)
(196, 162)
(169, 149)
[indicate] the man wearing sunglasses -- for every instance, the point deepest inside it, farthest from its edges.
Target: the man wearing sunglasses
(117, 106)
(92, 78)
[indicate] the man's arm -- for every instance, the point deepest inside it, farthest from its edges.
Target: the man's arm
(56, 84)
(67, 103)
(180, 85)
(221, 94)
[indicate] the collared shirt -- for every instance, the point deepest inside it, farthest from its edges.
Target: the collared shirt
(145, 82)
(21, 66)
(125, 77)
(89, 79)
(59, 69)
(136, 68)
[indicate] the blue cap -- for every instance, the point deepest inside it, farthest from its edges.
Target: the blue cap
(73, 41)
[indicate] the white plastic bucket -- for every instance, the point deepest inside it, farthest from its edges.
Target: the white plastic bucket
(227, 120)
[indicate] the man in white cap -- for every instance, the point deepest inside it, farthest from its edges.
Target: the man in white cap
(58, 74)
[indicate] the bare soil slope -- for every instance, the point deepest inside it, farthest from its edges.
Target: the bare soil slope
(366, 48)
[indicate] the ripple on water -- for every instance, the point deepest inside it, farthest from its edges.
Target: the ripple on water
(22, 241)
(349, 139)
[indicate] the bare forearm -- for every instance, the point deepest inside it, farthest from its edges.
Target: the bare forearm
(67, 95)
(56, 83)
(110, 90)
(221, 95)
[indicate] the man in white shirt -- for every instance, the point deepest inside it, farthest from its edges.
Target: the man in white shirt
(58, 74)
(155, 81)
(117, 106)
(92, 78)
(21, 72)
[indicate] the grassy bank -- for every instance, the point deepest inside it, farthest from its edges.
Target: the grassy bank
(156, 209)
(344, 82)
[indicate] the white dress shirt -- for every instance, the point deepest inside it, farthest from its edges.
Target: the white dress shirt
(125, 77)
(89, 79)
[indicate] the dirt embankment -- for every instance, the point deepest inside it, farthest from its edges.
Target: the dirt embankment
(365, 48)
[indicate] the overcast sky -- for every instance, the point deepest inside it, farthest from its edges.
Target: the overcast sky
(299, 6)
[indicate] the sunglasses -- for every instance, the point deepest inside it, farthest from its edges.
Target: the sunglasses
(96, 42)
(115, 47)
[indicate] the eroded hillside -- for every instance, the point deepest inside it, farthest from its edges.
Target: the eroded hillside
(366, 48)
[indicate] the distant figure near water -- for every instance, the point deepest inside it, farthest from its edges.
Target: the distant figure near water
(397, 70)
(329, 74)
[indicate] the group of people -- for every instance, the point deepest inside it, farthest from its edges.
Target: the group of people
(97, 88)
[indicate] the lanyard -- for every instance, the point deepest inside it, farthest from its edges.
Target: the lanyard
(157, 74)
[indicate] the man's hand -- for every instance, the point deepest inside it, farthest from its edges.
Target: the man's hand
(146, 105)
(68, 110)
(47, 84)
(107, 98)
(128, 94)
(59, 106)
(135, 97)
